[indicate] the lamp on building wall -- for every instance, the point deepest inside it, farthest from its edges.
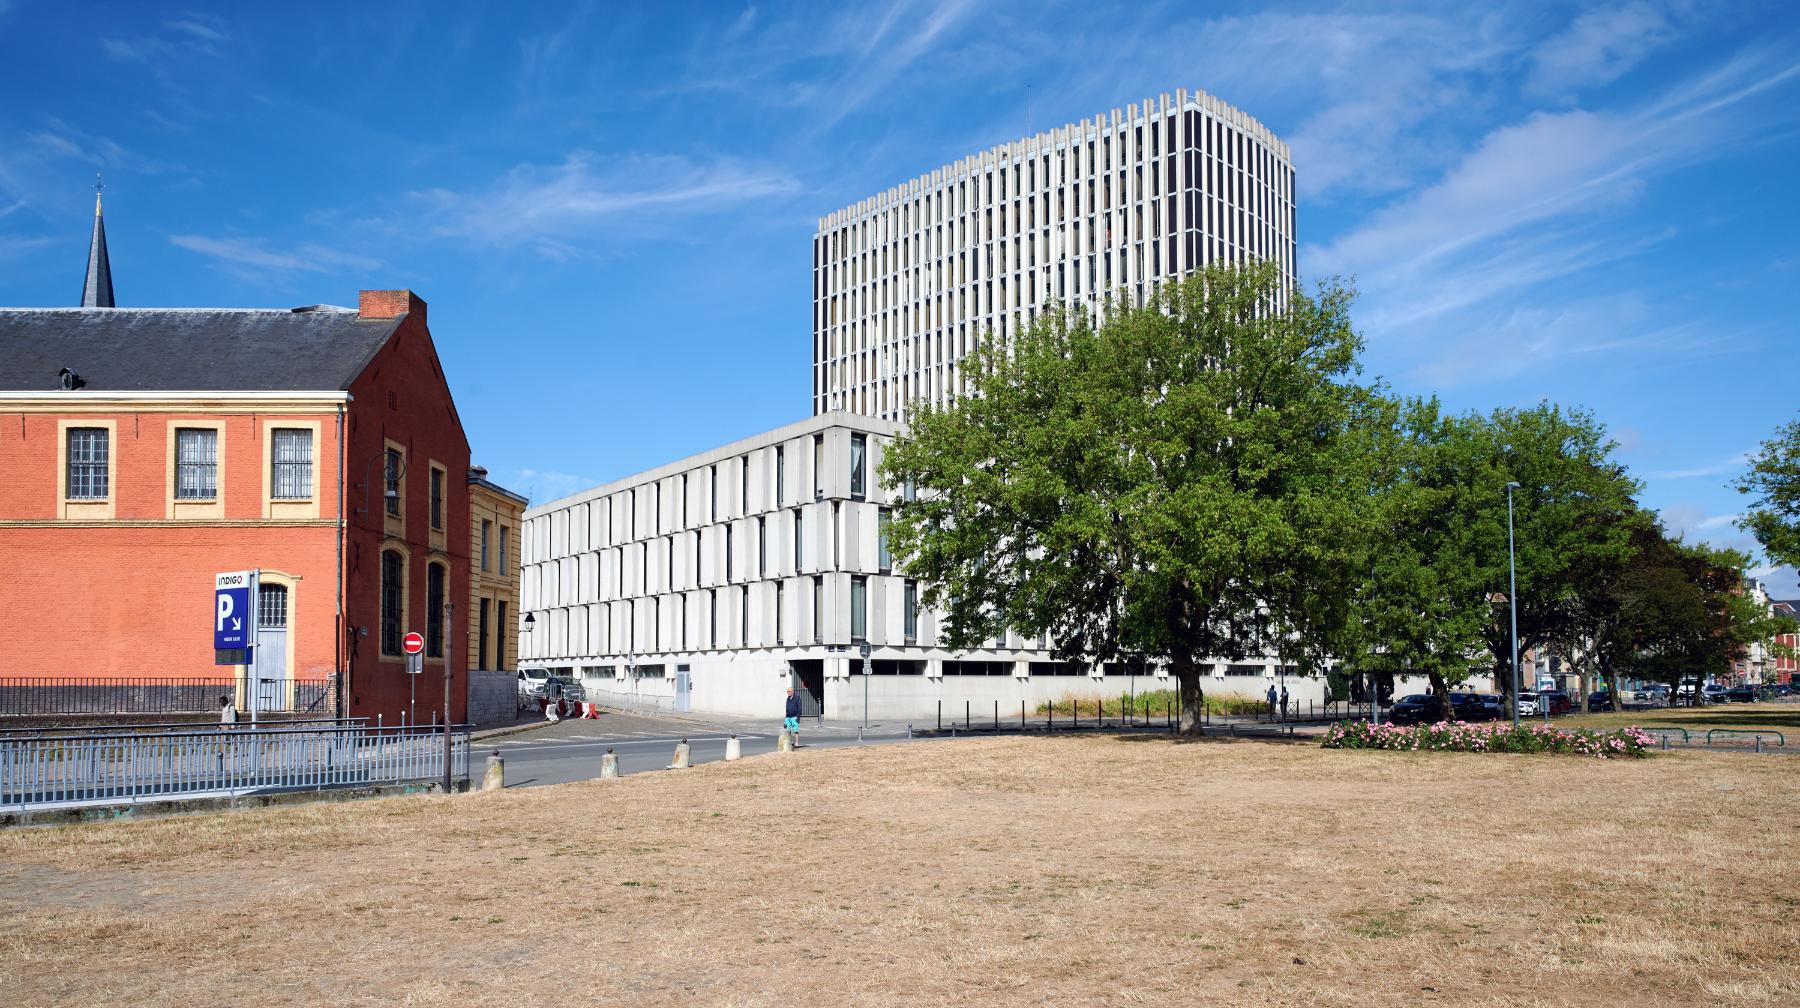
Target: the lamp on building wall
(529, 620)
(389, 493)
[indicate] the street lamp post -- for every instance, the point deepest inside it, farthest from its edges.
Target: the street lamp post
(1512, 584)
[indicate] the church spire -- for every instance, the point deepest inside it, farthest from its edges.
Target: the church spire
(97, 291)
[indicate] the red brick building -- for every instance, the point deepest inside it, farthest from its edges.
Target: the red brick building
(144, 450)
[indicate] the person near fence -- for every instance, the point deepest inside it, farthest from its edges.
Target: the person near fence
(790, 720)
(1271, 699)
(553, 700)
(1284, 702)
(228, 713)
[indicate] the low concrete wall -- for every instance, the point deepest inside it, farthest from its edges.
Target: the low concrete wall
(493, 697)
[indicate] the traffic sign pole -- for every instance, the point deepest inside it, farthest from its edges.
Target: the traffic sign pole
(866, 650)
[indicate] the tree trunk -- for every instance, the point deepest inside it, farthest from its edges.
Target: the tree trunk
(1587, 689)
(1503, 681)
(1193, 698)
(1441, 694)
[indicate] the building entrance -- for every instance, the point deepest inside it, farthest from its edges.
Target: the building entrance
(806, 676)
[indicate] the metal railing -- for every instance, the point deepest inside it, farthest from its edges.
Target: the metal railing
(50, 695)
(75, 769)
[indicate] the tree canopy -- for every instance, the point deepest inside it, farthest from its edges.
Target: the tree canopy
(1190, 479)
(1774, 483)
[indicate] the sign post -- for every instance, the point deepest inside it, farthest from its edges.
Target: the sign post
(414, 645)
(449, 664)
(234, 626)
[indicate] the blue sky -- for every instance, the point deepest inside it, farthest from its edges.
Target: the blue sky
(609, 207)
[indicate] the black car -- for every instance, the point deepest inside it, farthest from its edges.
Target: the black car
(1473, 707)
(1421, 707)
(1601, 700)
(1742, 694)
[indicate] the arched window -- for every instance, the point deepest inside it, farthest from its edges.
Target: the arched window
(393, 591)
(434, 610)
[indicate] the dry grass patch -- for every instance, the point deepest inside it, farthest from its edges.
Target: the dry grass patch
(1002, 871)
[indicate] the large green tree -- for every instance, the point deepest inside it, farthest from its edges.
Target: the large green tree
(1189, 480)
(1774, 483)
(1436, 600)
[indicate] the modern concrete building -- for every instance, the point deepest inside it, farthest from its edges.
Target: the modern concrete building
(906, 281)
(717, 582)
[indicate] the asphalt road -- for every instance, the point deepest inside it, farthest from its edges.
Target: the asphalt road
(570, 750)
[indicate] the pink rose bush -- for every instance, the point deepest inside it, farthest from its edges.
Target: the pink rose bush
(1499, 736)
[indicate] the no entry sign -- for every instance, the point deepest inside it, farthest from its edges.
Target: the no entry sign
(413, 642)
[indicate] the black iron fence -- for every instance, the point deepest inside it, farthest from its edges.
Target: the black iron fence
(51, 695)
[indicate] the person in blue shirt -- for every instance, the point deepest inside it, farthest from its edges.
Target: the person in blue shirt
(792, 719)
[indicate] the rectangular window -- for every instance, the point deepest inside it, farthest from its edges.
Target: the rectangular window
(391, 479)
(437, 498)
(762, 547)
(487, 529)
(500, 641)
(196, 463)
(744, 617)
(481, 635)
(503, 531)
(434, 610)
(884, 560)
(780, 603)
(909, 490)
(912, 611)
(728, 549)
(819, 610)
(780, 476)
(859, 609)
(712, 617)
(712, 482)
(818, 464)
(858, 447)
(836, 524)
(799, 536)
(393, 574)
(291, 464)
(88, 463)
(744, 485)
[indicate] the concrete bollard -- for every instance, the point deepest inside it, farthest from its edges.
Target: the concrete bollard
(784, 742)
(733, 749)
(680, 762)
(609, 764)
(495, 778)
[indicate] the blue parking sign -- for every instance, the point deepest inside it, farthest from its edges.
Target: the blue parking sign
(234, 612)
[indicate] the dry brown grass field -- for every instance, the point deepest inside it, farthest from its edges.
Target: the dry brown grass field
(1069, 871)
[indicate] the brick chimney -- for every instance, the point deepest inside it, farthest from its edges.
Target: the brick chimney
(380, 304)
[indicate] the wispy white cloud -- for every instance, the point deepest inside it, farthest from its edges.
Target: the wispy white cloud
(1599, 47)
(193, 25)
(557, 209)
(1535, 201)
(251, 257)
(1724, 467)
(547, 485)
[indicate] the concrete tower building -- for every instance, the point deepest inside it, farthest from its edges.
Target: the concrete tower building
(906, 281)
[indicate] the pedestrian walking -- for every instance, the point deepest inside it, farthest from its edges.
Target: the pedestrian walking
(1271, 700)
(790, 721)
(1284, 702)
(228, 713)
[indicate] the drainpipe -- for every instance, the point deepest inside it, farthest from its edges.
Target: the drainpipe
(342, 656)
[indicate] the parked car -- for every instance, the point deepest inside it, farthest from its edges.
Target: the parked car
(1742, 694)
(1601, 700)
(1712, 692)
(1415, 708)
(531, 682)
(1656, 696)
(1560, 702)
(1527, 704)
(1782, 690)
(1490, 706)
(1471, 707)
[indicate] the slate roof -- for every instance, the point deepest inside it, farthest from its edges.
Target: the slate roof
(315, 349)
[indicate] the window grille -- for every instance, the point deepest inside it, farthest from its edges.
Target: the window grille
(88, 463)
(272, 607)
(392, 587)
(196, 464)
(291, 475)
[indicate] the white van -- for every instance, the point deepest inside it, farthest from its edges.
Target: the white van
(531, 682)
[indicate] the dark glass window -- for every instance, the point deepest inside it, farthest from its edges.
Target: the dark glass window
(434, 610)
(393, 587)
